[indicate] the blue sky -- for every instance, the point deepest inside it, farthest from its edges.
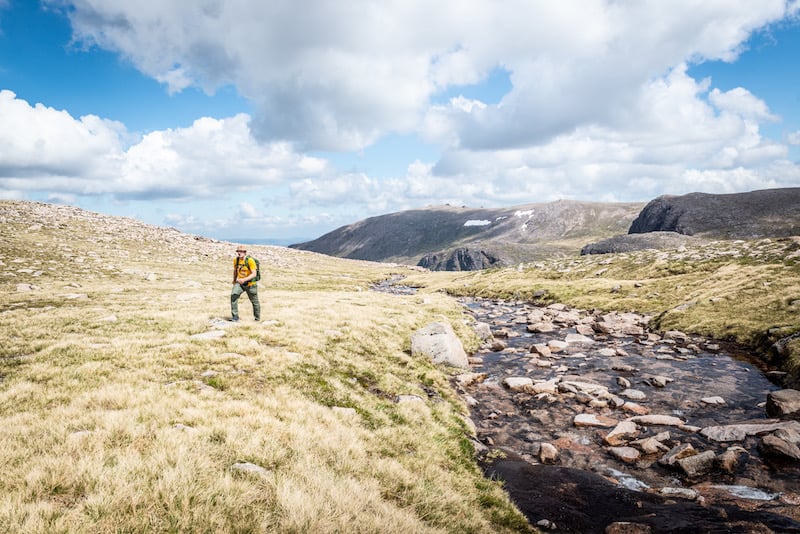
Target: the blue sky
(272, 119)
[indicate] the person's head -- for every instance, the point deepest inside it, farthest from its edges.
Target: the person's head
(240, 250)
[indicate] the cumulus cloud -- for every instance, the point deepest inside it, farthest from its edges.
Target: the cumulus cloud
(43, 149)
(600, 104)
(339, 75)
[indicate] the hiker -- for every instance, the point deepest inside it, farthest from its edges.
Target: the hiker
(245, 270)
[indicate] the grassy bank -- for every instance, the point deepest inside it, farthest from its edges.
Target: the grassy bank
(116, 419)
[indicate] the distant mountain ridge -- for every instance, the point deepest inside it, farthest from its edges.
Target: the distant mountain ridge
(455, 238)
(461, 238)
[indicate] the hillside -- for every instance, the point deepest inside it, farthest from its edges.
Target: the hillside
(509, 235)
(768, 212)
(130, 403)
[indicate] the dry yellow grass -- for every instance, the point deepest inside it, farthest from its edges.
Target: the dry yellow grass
(116, 420)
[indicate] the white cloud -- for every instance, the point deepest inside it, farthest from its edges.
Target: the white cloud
(794, 137)
(341, 74)
(43, 149)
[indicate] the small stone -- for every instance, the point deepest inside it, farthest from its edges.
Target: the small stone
(592, 420)
(548, 453)
(518, 383)
(247, 467)
(678, 452)
(734, 457)
(626, 454)
(635, 408)
(683, 493)
(627, 527)
(621, 433)
(717, 401)
(633, 394)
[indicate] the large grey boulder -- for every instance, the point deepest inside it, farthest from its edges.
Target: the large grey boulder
(439, 342)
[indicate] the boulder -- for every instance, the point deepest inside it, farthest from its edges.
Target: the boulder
(772, 445)
(697, 464)
(439, 342)
(784, 403)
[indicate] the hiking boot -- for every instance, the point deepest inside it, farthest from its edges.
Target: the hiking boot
(234, 319)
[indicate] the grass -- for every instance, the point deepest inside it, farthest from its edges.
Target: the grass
(116, 420)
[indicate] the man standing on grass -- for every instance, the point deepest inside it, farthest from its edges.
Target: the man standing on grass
(244, 270)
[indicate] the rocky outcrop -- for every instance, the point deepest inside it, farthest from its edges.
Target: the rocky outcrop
(460, 259)
(765, 213)
(632, 242)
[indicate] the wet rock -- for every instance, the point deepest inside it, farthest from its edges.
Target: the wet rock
(772, 445)
(592, 420)
(467, 379)
(548, 386)
(656, 419)
(733, 458)
(626, 454)
(633, 394)
(623, 382)
(697, 464)
(738, 432)
(541, 327)
(714, 401)
(541, 349)
(784, 403)
(498, 345)
(622, 433)
(678, 452)
(518, 383)
(658, 381)
(548, 453)
(650, 446)
(635, 408)
(628, 527)
(575, 339)
(482, 330)
(683, 493)
(586, 387)
(676, 335)
(584, 329)
(788, 434)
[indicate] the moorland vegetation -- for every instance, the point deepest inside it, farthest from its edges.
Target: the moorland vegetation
(129, 402)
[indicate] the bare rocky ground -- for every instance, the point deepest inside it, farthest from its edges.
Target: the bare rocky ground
(598, 425)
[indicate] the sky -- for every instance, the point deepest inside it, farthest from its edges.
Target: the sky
(286, 119)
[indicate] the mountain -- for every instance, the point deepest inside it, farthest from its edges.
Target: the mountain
(672, 221)
(461, 238)
(768, 212)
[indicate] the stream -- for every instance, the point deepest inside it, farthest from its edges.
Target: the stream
(551, 384)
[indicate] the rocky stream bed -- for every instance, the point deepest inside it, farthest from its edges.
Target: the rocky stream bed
(598, 425)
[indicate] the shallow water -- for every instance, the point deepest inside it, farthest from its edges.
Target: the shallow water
(522, 421)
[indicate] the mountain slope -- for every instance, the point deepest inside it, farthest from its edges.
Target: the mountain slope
(768, 212)
(514, 234)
